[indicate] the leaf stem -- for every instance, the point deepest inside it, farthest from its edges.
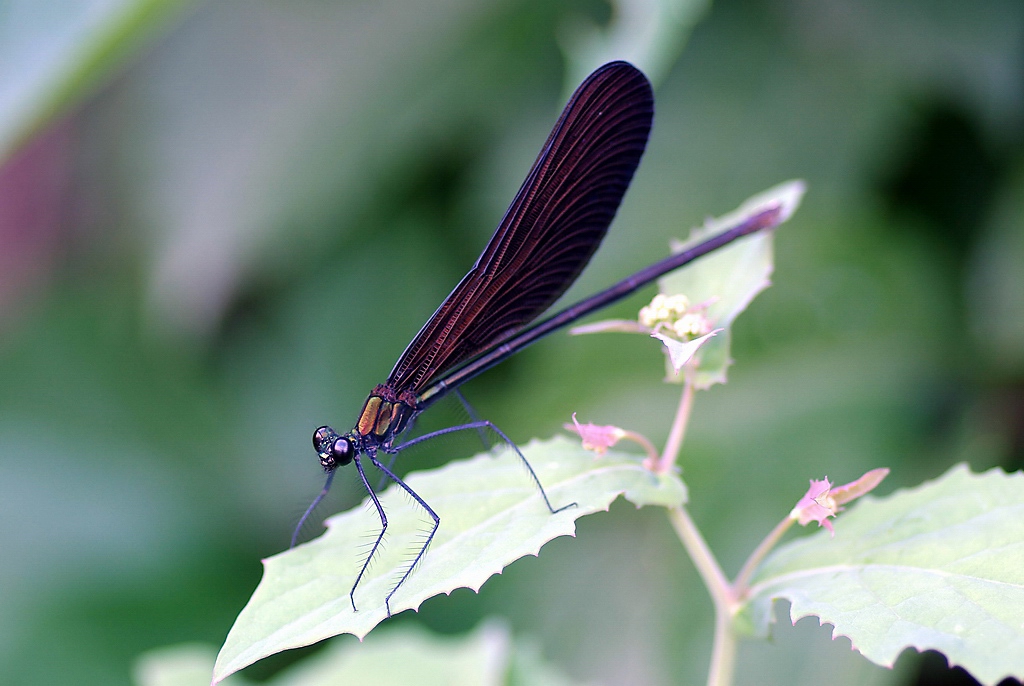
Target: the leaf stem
(678, 432)
(703, 559)
(727, 597)
(763, 548)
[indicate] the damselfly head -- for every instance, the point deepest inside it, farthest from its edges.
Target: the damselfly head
(334, 450)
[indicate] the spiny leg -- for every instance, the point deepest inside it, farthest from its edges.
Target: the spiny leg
(482, 424)
(312, 506)
(380, 537)
(430, 536)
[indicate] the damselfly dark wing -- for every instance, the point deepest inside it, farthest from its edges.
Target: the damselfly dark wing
(549, 232)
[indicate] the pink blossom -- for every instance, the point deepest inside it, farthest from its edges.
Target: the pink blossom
(816, 505)
(595, 437)
(822, 501)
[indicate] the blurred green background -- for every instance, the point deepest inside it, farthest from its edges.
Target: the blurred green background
(221, 223)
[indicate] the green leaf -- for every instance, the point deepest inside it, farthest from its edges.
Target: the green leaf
(937, 567)
(529, 668)
(728, 279)
(188, 664)
(396, 656)
(409, 655)
(648, 34)
(53, 57)
(491, 515)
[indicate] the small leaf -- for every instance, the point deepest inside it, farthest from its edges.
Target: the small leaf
(728, 279)
(680, 352)
(937, 567)
(491, 515)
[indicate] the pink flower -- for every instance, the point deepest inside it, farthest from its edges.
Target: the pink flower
(600, 438)
(822, 501)
(597, 438)
(816, 506)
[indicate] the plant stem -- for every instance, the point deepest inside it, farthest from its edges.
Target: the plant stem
(763, 548)
(703, 559)
(723, 656)
(678, 432)
(651, 461)
(727, 597)
(723, 653)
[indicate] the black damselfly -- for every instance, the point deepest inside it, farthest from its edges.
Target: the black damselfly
(547, 236)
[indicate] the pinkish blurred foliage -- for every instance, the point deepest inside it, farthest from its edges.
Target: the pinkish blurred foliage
(35, 185)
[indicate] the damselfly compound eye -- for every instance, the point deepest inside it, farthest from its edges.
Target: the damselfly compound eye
(322, 439)
(342, 451)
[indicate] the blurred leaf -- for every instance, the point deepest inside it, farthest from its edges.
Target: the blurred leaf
(190, 664)
(529, 668)
(491, 515)
(996, 283)
(648, 33)
(406, 654)
(937, 567)
(409, 655)
(54, 53)
(728, 279)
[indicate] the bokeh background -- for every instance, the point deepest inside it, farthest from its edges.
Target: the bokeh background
(220, 224)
